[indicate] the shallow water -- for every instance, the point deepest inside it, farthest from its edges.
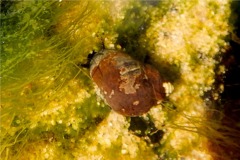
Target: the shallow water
(49, 107)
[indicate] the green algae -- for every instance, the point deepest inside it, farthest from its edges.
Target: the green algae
(38, 69)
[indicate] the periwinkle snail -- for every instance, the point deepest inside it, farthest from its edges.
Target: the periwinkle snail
(126, 85)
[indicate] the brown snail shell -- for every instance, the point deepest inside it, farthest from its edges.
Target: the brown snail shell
(127, 86)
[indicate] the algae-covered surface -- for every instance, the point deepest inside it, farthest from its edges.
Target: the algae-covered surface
(50, 110)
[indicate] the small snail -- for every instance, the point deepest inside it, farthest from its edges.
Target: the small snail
(126, 85)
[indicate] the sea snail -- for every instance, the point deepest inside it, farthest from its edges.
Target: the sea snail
(126, 85)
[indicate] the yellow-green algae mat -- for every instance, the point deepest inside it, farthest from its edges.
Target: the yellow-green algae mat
(49, 108)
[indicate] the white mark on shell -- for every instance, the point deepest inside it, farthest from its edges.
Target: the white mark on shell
(128, 80)
(111, 94)
(135, 103)
(137, 86)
